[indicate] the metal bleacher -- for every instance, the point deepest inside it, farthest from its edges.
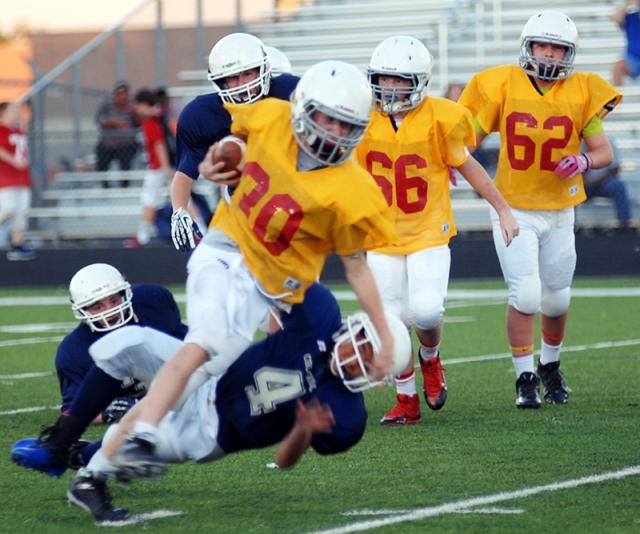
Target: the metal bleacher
(463, 35)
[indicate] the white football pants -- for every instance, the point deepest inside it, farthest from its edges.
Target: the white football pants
(414, 286)
(539, 264)
(187, 433)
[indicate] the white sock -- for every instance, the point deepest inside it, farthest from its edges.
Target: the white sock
(100, 466)
(428, 352)
(549, 353)
(523, 364)
(142, 428)
(406, 384)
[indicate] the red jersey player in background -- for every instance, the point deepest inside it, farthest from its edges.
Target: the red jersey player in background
(15, 181)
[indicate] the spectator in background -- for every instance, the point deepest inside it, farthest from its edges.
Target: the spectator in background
(118, 124)
(605, 182)
(15, 181)
(168, 124)
(158, 163)
(627, 17)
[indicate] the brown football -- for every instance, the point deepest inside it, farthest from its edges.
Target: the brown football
(231, 150)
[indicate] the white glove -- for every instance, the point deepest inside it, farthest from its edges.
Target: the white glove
(184, 231)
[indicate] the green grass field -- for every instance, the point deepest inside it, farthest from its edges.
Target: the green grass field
(478, 465)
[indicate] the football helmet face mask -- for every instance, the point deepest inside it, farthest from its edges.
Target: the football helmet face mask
(402, 57)
(233, 55)
(357, 344)
(340, 91)
(551, 27)
(279, 62)
(94, 283)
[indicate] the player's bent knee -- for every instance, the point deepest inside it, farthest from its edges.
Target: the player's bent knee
(427, 316)
(525, 297)
(555, 302)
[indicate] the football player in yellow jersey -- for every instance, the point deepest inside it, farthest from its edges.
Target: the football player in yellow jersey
(408, 147)
(542, 111)
(299, 198)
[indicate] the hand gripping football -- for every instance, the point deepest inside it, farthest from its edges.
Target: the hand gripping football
(230, 150)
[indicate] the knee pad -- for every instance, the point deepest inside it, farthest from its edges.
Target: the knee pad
(524, 295)
(426, 315)
(555, 302)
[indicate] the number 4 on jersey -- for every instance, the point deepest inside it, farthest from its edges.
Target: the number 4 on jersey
(273, 386)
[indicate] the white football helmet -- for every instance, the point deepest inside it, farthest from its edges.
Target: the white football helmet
(340, 91)
(233, 55)
(548, 27)
(94, 283)
(403, 57)
(279, 62)
(357, 342)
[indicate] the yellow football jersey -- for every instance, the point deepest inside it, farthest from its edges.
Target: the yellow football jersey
(411, 167)
(537, 131)
(286, 222)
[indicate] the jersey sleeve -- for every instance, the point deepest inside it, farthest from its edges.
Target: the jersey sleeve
(350, 417)
(156, 307)
(70, 373)
(198, 128)
(479, 97)
(458, 135)
(603, 97)
(366, 221)
(153, 132)
(257, 116)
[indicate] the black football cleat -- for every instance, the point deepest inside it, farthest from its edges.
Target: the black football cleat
(527, 395)
(137, 459)
(555, 388)
(91, 494)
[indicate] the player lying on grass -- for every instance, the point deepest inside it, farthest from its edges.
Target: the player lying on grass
(103, 301)
(299, 387)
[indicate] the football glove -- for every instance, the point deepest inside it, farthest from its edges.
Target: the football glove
(116, 410)
(184, 232)
(570, 166)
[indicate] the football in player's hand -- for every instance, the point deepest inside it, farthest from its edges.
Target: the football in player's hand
(230, 150)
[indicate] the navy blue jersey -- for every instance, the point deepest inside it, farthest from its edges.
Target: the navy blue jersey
(204, 121)
(153, 305)
(256, 397)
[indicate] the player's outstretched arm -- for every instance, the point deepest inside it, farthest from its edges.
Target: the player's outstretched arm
(311, 418)
(475, 174)
(364, 286)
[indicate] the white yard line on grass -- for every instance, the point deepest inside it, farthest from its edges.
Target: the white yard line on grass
(22, 376)
(488, 511)
(472, 294)
(29, 341)
(468, 504)
(452, 361)
(29, 410)
(140, 518)
(574, 348)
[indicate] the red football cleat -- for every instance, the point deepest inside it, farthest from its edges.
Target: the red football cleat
(406, 412)
(435, 385)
